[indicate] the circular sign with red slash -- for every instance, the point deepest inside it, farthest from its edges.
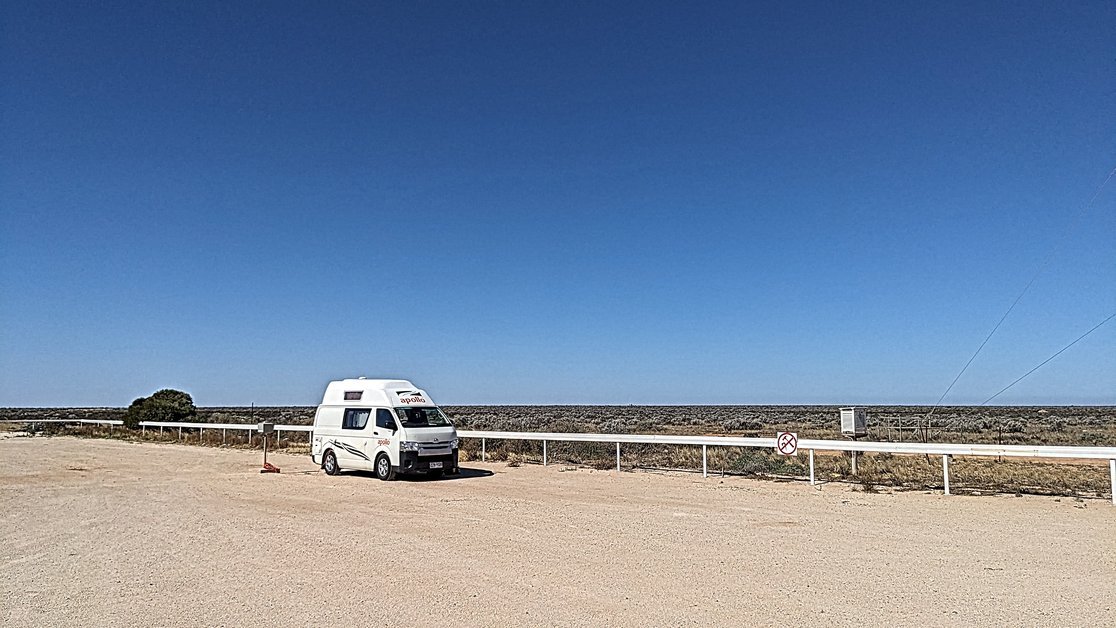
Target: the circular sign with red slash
(787, 443)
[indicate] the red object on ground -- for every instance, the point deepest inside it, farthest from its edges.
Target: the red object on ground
(269, 468)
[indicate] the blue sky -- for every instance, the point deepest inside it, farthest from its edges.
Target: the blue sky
(533, 203)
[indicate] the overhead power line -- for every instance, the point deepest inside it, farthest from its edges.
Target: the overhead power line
(1021, 377)
(1070, 228)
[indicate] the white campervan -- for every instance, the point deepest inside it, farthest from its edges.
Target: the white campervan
(386, 426)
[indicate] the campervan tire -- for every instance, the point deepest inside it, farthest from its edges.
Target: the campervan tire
(329, 463)
(383, 468)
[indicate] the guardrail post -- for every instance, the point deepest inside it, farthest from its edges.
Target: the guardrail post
(544, 452)
(945, 472)
(618, 457)
(160, 431)
(179, 432)
(482, 451)
(811, 467)
(278, 438)
(224, 432)
(704, 461)
(1112, 476)
(143, 430)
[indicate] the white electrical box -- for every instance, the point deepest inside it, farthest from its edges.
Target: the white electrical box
(854, 421)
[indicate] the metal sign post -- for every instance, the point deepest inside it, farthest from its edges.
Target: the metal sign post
(265, 429)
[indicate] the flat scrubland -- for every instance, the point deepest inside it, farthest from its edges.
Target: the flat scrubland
(1048, 425)
(1051, 425)
(110, 532)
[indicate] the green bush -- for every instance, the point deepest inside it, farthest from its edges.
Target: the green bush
(164, 405)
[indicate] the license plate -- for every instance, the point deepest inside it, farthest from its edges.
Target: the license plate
(435, 465)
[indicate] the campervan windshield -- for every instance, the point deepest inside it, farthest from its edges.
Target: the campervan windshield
(421, 417)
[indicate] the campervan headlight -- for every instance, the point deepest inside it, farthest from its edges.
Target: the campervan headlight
(409, 445)
(453, 443)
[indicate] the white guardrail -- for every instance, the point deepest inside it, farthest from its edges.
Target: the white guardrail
(250, 428)
(945, 450)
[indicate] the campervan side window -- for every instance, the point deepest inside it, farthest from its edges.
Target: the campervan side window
(385, 420)
(355, 418)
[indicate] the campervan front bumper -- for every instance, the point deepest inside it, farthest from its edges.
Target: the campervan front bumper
(411, 461)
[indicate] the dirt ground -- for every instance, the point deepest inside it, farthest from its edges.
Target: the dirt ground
(111, 533)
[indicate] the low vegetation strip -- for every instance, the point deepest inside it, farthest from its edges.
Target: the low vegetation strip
(1081, 478)
(1050, 425)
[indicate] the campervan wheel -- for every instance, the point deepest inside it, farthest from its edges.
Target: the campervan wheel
(383, 468)
(329, 463)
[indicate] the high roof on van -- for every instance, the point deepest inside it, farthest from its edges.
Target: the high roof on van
(362, 392)
(375, 384)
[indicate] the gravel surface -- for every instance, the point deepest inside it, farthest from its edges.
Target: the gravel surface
(103, 532)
